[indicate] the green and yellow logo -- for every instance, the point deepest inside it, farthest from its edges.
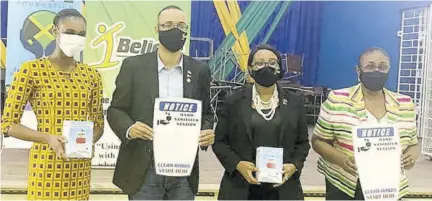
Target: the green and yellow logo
(115, 47)
(36, 34)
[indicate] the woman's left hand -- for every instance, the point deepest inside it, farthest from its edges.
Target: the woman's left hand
(409, 158)
(288, 171)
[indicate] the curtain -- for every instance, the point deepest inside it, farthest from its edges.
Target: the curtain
(298, 32)
(254, 17)
(205, 23)
(261, 19)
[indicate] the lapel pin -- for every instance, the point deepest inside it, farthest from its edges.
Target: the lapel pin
(284, 101)
(188, 80)
(189, 72)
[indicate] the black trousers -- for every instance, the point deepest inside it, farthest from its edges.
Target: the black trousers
(333, 193)
(263, 192)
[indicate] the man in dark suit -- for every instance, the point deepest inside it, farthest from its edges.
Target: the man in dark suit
(164, 73)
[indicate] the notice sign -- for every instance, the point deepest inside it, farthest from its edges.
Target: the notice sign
(377, 154)
(176, 127)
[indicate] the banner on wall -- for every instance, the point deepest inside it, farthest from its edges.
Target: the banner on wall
(116, 30)
(29, 31)
(29, 38)
(377, 153)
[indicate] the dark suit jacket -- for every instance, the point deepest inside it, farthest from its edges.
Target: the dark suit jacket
(133, 100)
(234, 142)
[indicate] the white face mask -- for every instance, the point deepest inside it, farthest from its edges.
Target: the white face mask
(71, 44)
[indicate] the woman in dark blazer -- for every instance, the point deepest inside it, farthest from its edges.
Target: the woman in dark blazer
(261, 114)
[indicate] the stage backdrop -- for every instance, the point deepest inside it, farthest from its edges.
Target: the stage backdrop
(116, 30)
(292, 27)
(29, 37)
(28, 30)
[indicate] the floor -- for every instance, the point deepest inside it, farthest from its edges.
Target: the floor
(115, 197)
(14, 173)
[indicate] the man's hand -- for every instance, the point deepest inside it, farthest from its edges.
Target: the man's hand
(409, 158)
(288, 171)
(246, 168)
(206, 137)
(141, 131)
(57, 145)
(348, 165)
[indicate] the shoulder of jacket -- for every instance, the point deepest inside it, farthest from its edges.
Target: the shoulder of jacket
(235, 96)
(402, 99)
(134, 61)
(194, 61)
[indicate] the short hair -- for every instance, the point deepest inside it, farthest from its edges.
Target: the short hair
(167, 8)
(370, 50)
(65, 13)
(264, 47)
(269, 48)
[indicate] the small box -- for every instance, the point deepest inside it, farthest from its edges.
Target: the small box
(269, 161)
(80, 139)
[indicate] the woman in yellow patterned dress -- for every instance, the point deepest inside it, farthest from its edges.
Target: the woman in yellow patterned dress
(58, 89)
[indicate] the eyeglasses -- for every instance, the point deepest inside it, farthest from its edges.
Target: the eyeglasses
(171, 25)
(382, 67)
(274, 63)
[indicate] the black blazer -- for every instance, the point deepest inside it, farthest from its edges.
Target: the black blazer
(233, 142)
(133, 100)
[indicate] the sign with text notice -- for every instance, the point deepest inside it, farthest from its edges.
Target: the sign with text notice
(377, 153)
(176, 127)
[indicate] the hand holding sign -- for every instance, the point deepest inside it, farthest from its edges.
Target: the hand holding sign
(141, 131)
(348, 165)
(206, 137)
(408, 158)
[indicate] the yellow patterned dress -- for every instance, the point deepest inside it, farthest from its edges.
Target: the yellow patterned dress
(55, 96)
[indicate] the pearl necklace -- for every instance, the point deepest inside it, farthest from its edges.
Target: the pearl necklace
(259, 104)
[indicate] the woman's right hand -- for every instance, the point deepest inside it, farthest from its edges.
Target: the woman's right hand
(246, 168)
(57, 145)
(348, 164)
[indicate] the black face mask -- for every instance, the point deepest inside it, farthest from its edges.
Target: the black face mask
(172, 39)
(266, 76)
(373, 81)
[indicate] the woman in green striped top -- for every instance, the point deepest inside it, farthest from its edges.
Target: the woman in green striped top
(367, 102)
